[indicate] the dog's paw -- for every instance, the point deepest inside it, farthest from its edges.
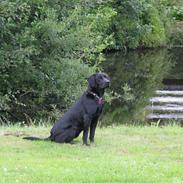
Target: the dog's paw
(92, 141)
(86, 144)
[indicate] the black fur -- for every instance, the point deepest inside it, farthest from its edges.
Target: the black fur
(83, 115)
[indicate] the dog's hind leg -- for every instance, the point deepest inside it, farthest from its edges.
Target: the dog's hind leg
(66, 136)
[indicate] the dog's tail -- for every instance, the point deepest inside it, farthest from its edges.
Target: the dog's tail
(36, 138)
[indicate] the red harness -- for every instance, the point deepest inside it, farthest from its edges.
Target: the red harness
(100, 100)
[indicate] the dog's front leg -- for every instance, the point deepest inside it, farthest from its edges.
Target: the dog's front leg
(92, 129)
(87, 122)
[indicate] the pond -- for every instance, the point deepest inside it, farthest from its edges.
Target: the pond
(136, 76)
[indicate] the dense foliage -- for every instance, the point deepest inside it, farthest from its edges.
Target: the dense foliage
(49, 47)
(42, 54)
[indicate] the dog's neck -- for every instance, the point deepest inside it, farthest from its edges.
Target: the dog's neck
(96, 91)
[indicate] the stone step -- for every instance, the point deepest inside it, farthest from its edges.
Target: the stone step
(167, 104)
(168, 92)
(155, 116)
(165, 108)
(167, 99)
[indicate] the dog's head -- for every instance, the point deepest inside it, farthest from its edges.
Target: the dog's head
(99, 80)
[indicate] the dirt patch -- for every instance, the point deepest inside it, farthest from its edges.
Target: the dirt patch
(15, 134)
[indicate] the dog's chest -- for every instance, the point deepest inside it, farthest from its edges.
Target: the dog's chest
(94, 106)
(99, 109)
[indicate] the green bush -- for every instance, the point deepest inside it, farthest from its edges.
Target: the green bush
(42, 54)
(178, 13)
(142, 23)
(176, 37)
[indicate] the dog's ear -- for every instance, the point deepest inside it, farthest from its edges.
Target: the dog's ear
(92, 81)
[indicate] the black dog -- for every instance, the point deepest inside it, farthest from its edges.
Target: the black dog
(83, 115)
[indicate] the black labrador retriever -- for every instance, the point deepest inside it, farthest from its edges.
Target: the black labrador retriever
(83, 115)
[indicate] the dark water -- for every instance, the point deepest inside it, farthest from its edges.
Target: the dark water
(136, 76)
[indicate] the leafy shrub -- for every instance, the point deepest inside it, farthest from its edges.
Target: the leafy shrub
(178, 13)
(176, 38)
(141, 23)
(42, 54)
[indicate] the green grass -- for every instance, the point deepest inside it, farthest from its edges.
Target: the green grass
(120, 154)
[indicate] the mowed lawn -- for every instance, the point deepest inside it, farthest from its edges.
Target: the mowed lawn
(120, 154)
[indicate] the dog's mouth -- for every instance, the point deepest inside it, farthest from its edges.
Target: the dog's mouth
(106, 85)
